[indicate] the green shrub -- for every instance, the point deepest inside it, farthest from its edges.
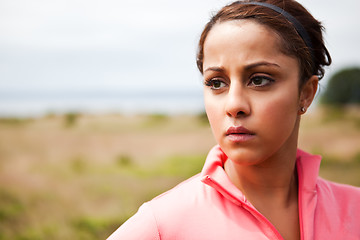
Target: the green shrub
(70, 119)
(94, 228)
(343, 88)
(78, 164)
(180, 165)
(124, 160)
(15, 121)
(203, 119)
(10, 206)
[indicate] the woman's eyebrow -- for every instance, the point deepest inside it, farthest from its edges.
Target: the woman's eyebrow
(247, 67)
(254, 65)
(215, 69)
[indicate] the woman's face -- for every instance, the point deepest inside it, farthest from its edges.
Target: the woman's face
(251, 92)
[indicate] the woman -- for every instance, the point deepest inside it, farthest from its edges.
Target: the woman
(261, 62)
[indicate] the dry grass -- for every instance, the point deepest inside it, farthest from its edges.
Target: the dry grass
(79, 177)
(80, 180)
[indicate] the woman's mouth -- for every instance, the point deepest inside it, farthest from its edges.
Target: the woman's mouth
(239, 134)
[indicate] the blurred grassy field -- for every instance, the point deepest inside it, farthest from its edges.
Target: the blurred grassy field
(81, 176)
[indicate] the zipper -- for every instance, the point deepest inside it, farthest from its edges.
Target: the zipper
(264, 220)
(301, 225)
(243, 204)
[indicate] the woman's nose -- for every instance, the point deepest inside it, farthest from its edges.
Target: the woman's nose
(237, 102)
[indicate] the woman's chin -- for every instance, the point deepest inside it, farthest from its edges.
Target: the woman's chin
(243, 156)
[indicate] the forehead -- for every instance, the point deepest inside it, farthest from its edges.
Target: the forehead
(242, 33)
(244, 40)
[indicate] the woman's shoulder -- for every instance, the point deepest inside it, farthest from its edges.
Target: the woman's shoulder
(341, 195)
(167, 209)
(183, 195)
(337, 188)
(337, 205)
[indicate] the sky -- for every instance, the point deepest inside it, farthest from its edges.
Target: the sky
(129, 46)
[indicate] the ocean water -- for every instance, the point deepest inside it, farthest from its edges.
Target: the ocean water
(40, 103)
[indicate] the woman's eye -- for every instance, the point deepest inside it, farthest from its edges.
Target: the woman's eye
(215, 84)
(260, 81)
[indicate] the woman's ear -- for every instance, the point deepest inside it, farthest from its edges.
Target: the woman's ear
(307, 93)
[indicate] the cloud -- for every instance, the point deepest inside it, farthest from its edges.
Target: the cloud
(91, 43)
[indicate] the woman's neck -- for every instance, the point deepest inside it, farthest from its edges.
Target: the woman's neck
(272, 188)
(273, 182)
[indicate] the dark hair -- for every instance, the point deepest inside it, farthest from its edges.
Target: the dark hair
(292, 43)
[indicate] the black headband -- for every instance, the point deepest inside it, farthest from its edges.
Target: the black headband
(297, 25)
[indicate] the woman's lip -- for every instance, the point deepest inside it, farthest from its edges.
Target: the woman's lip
(239, 134)
(238, 130)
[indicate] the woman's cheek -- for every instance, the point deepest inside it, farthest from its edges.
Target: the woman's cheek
(278, 117)
(215, 117)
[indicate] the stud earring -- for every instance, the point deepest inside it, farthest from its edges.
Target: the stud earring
(303, 109)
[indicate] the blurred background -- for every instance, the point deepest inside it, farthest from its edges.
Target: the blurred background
(101, 108)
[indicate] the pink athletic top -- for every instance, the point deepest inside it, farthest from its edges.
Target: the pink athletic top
(208, 206)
